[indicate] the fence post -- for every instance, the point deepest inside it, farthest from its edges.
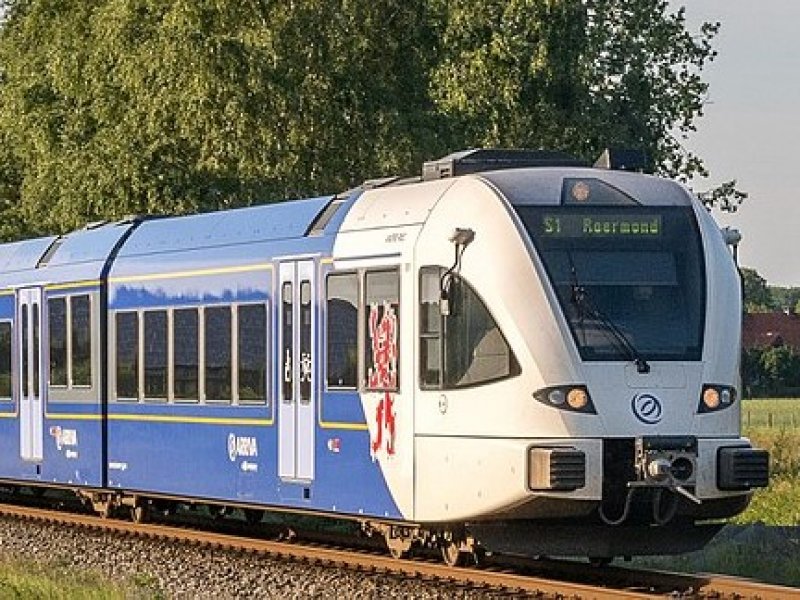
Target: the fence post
(769, 419)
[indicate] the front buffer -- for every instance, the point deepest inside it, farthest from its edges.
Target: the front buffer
(588, 497)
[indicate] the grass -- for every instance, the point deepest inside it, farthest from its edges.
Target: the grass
(33, 580)
(778, 504)
(764, 550)
(771, 413)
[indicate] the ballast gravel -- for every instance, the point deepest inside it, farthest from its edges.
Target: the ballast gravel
(164, 569)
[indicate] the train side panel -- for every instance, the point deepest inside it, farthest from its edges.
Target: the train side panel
(235, 449)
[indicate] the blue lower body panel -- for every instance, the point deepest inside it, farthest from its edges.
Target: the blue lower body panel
(71, 446)
(225, 453)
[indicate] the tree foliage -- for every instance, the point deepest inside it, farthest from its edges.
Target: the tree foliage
(757, 294)
(771, 371)
(146, 106)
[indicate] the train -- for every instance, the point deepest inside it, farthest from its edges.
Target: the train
(514, 351)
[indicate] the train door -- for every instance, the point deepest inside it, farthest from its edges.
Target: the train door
(297, 405)
(31, 385)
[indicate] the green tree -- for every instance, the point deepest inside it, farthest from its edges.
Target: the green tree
(139, 106)
(785, 298)
(145, 106)
(757, 295)
(577, 76)
(780, 367)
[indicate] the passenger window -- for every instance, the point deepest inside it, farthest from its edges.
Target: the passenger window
(80, 317)
(306, 360)
(69, 330)
(287, 343)
(24, 363)
(155, 355)
(342, 330)
(127, 354)
(186, 363)
(36, 347)
(464, 348)
(252, 352)
(5, 360)
(57, 327)
(218, 353)
(382, 327)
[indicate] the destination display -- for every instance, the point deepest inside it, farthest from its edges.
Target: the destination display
(591, 226)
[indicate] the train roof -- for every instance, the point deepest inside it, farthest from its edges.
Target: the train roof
(79, 255)
(241, 226)
(544, 185)
(82, 254)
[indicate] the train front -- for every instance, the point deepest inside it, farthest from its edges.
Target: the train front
(625, 321)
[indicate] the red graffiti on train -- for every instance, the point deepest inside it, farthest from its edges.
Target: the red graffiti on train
(383, 373)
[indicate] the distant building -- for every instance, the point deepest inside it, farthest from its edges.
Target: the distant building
(771, 329)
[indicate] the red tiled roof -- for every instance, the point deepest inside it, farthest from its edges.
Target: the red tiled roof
(771, 329)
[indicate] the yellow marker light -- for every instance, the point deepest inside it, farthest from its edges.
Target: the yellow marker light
(577, 398)
(711, 398)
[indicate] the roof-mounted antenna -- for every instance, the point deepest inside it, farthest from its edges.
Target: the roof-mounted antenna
(478, 160)
(619, 159)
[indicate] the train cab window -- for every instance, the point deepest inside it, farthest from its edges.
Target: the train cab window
(57, 327)
(185, 355)
(5, 360)
(382, 329)
(155, 355)
(217, 353)
(127, 355)
(465, 347)
(342, 330)
(81, 340)
(430, 329)
(252, 353)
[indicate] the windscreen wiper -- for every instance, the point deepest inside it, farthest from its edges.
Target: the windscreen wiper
(581, 299)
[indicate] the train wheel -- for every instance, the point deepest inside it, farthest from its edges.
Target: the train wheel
(140, 513)
(453, 556)
(104, 507)
(399, 547)
(253, 516)
(479, 556)
(399, 553)
(600, 561)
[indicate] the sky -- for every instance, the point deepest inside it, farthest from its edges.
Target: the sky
(750, 130)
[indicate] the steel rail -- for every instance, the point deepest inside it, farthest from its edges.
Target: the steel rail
(616, 582)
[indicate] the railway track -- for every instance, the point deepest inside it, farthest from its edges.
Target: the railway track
(502, 575)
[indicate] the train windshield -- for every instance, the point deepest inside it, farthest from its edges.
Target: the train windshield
(629, 280)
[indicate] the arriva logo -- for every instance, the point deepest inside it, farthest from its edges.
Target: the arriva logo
(242, 446)
(647, 408)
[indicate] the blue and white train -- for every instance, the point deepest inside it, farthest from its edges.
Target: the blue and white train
(512, 352)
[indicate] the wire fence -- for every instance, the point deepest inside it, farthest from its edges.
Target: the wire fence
(770, 419)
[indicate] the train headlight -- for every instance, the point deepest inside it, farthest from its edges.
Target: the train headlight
(573, 398)
(556, 397)
(716, 397)
(711, 398)
(577, 398)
